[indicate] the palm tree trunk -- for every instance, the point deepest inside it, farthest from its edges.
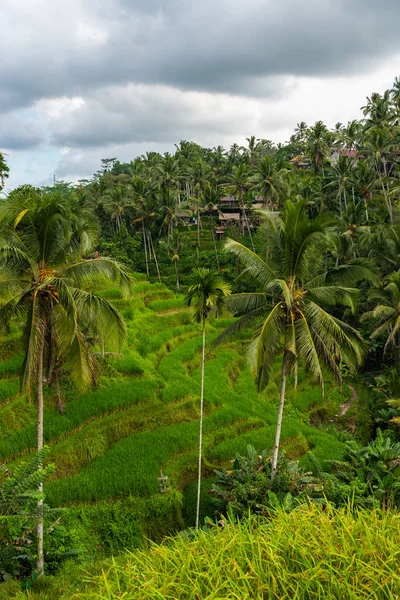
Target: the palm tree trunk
(366, 206)
(177, 276)
(39, 529)
(198, 228)
(280, 414)
(155, 256)
(215, 243)
(145, 250)
(201, 425)
(387, 199)
(248, 228)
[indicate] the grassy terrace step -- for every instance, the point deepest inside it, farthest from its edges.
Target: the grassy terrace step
(80, 449)
(78, 411)
(113, 441)
(132, 466)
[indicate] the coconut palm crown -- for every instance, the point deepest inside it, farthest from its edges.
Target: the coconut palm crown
(42, 241)
(206, 294)
(294, 294)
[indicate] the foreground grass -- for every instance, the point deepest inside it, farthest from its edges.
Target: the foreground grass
(309, 553)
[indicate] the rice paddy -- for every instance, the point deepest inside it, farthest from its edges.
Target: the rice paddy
(113, 441)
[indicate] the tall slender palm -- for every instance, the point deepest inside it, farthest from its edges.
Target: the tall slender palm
(351, 134)
(379, 149)
(238, 182)
(290, 306)
(143, 193)
(252, 150)
(206, 294)
(116, 201)
(4, 170)
(212, 196)
(339, 180)
(364, 181)
(318, 144)
(41, 246)
(174, 244)
(301, 131)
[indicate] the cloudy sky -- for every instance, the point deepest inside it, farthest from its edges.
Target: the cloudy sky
(83, 80)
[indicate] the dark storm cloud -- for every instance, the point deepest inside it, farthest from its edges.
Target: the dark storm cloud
(58, 48)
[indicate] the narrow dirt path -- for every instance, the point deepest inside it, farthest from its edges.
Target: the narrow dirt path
(345, 407)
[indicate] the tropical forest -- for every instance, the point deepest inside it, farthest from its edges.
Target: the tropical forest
(200, 371)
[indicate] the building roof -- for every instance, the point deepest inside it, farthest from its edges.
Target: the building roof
(349, 153)
(230, 217)
(300, 158)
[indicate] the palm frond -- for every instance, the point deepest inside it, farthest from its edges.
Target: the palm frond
(333, 295)
(239, 304)
(241, 324)
(340, 338)
(307, 349)
(263, 349)
(255, 266)
(97, 271)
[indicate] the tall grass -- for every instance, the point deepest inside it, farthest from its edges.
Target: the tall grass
(307, 554)
(165, 304)
(8, 389)
(11, 366)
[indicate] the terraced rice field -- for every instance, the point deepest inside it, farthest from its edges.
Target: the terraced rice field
(113, 441)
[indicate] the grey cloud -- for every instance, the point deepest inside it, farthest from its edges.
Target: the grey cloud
(147, 113)
(213, 45)
(17, 133)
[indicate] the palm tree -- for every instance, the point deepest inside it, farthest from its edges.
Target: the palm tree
(143, 192)
(318, 144)
(379, 150)
(212, 197)
(206, 294)
(252, 150)
(4, 170)
(300, 131)
(238, 182)
(387, 314)
(339, 180)
(290, 306)
(351, 134)
(174, 244)
(116, 202)
(364, 181)
(41, 246)
(270, 180)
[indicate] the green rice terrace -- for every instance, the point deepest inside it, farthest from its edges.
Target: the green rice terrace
(111, 444)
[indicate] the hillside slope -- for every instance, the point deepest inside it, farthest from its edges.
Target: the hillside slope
(112, 442)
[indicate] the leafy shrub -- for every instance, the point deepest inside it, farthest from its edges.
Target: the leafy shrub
(19, 496)
(247, 488)
(367, 477)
